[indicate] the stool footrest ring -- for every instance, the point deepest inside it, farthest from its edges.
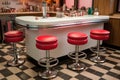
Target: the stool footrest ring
(81, 55)
(52, 61)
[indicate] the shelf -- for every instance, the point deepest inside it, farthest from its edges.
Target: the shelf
(116, 16)
(22, 13)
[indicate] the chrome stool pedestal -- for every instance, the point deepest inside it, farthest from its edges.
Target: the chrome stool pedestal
(48, 62)
(77, 56)
(16, 61)
(98, 58)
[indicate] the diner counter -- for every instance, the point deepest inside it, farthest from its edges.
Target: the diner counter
(34, 21)
(58, 27)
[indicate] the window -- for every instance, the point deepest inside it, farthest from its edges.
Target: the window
(118, 6)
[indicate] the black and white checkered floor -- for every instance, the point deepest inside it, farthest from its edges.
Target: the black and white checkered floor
(110, 70)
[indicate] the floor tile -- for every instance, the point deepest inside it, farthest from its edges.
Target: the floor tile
(110, 70)
(64, 76)
(57, 78)
(82, 77)
(28, 64)
(31, 72)
(108, 77)
(1, 76)
(113, 74)
(13, 77)
(14, 69)
(23, 76)
(71, 73)
(6, 72)
(108, 65)
(89, 75)
(99, 69)
(115, 71)
(98, 73)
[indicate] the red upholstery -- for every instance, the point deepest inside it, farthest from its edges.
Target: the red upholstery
(46, 46)
(99, 34)
(98, 37)
(13, 34)
(77, 42)
(46, 39)
(77, 38)
(46, 42)
(14, 39)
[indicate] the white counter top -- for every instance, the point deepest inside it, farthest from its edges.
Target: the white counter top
(54, 21)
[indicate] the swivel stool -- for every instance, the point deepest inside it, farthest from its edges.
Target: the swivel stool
(98, 34)
(77, 39)
(47, 42)
(14, 37)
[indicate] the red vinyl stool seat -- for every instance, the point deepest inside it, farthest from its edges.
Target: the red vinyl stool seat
(77, 42)
(13, 37)
(77, 38)
(98, 34)
(46, 39)
(46, 47)
(13, 34)
(47, 42)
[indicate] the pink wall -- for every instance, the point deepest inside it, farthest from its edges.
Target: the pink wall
(86, 3)
(69, 3)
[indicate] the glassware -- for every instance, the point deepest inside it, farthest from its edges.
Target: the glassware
(59, 13)
(90, 11)
(96, 12)
(44, 9)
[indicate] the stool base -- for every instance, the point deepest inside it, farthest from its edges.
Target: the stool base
(77, 66)
(98, 59)
(14, 63)
(48, 74)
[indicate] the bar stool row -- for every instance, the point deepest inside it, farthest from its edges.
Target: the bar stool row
(49, 42)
